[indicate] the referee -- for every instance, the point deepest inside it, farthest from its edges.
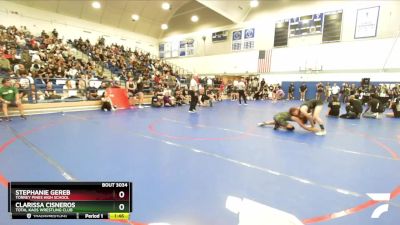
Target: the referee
(241, 88)
(193, 91)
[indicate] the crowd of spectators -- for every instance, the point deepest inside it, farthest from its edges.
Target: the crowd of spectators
(256, 89)
(46, 68)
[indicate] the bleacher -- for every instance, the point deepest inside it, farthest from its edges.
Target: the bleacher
(48, 59)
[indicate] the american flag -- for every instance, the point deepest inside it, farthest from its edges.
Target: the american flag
(264, 61)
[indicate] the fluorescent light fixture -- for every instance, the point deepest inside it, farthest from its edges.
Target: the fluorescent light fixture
(166, 6)
(195, 18)
(135, 17)
(96, 5)
(164, 26)
(254, 3)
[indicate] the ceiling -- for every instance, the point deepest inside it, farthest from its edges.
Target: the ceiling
(117, 13)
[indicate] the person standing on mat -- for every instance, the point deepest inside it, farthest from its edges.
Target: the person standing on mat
(303, 91)
(139, 91)
(335, 90)
(291, 92)
(241, 86)
(328, 92)
(9, 97)
(311, 109)
(320, 90)
(193, 91)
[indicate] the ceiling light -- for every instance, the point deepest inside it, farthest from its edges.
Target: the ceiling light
(254, 3)
(164, 26)
(166, 6)
(96, 5)
(195, 18)
(135, 17)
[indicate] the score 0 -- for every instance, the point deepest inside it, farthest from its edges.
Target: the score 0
(121, 195)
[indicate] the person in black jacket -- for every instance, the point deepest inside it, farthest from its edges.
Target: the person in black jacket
(395, 106)
(353, 108)
(303, 91)
(375, 107)
(291, 92)
(334, 107)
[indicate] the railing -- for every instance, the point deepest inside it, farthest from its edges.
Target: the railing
(48, 90)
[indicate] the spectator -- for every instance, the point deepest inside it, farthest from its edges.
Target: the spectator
(328, 92)
(206, 98)
(179, 97)
(156, 100)
(210, 82)
(353, 109)
(319, 91)
(375, 107)
(279, 94)
(106, 103)
(139, 91)
(291, 92)
(335, 90)
(395, 106)
(27, 86)
(303, 90)
(70, 90)
(5, 67)
(50, 93)
(334, 107)
(9, 97)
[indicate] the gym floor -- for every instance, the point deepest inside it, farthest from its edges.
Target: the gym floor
(184, 166)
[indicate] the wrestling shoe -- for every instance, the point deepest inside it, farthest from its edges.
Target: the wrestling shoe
(260, 124)
(321, 133)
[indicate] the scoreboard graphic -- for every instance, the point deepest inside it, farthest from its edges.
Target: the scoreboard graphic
(70, 200)
(306, 25)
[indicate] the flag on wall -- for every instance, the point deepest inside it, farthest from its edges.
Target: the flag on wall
(264, 61)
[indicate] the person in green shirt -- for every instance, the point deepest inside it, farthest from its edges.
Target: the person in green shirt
(281, 120)
(9, 97)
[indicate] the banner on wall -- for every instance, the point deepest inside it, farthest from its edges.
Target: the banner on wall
(167, 50)
(367, 22)
(237, 40)
(182, 48)
(186, 47)
(190, 47)
(161, 50)
(243, 39)
(175, 48)
(248, 39)
(220, 36)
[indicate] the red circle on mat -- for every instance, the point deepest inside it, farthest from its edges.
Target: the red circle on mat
(318, 219)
